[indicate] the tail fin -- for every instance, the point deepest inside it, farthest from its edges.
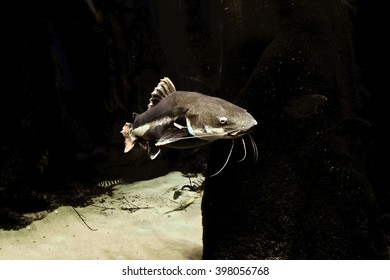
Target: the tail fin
(129, 141)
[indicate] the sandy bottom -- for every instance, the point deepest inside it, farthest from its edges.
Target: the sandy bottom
(142, 220)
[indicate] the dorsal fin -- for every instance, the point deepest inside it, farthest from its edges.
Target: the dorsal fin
(164, 88)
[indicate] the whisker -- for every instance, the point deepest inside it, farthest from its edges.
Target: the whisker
(243, 144)
(255, 150)
(227, 160)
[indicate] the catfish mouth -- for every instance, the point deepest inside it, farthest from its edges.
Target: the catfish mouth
(236, 133)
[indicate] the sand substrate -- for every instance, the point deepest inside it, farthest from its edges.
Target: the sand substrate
(151, 219)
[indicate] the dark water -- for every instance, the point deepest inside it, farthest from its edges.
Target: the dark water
(314, 74)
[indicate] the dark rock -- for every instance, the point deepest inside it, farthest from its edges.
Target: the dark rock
(308, 197)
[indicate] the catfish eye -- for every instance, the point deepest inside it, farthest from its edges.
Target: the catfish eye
(222, 120)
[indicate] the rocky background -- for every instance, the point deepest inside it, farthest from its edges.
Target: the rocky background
(315, 74)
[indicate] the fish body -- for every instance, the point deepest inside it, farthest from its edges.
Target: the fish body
(184, 119)
(305, 106)
(109, 183)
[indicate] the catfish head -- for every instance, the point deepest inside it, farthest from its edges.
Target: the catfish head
(211, 118)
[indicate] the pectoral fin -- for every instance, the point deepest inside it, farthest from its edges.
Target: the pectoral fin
(172, 135)
(179, 126)
(189, 127)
